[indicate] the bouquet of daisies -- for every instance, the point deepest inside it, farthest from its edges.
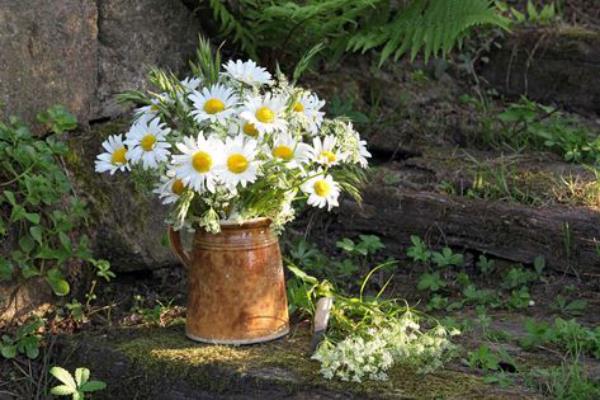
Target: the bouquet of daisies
(233, 143)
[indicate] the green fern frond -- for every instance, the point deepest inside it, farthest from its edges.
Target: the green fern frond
(432, 27)
(231, 27)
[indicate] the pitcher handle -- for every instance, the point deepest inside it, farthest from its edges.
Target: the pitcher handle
(177, 247)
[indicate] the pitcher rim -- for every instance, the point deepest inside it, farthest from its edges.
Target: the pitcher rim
(248, 223)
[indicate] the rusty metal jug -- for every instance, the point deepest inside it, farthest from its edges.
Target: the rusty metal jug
(236, 287)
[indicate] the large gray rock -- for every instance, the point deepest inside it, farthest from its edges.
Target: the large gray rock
(135, 36)
(48, 55)
(81, 53)
(129, 228)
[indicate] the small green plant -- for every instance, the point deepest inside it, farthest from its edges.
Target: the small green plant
(77, 386)
(57, 119)
(517, 277)
(26, 341)
(565, 307)
(485, 265)
(483, 358)
(472, 295)
(366, 246)
(419, 251)
(520, 298)
(368, 334)
(532, 125)
(567, 335)
(344, 107)
(569, 381)
(37, 204)
(431, 281)
(543, 16)
(155, 316)
(446, 258)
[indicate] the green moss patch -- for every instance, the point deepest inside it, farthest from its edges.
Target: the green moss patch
(167, 355)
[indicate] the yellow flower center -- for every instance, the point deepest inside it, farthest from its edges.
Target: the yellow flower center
(322, 188)
(148, 142)
(237, 163)
(213, 106)
(177, 187)
(265, 115)
(154, 108)
(298, 107)
(283, 152)
(250, 130)
(328, 156)
(202, 161)
(118, 156)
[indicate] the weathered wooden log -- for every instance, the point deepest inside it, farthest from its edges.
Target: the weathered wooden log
(568, 237)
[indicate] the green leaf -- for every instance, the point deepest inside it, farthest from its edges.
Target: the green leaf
(8, 350)
(57, 282)
(6, 269)
(32, 349)
(303, 276)
(64, 376)
(539, 264)
(82, 375)
(26, 243)
(65, 241)
(36, 233)
(93, 386)
(34, 218)
(29, 271)
(11, 197)
(531, 11)
(431, 281)
(62, 390)
(346, 245)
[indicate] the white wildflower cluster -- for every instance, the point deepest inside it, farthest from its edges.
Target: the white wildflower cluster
(370, 354)
(241, 146)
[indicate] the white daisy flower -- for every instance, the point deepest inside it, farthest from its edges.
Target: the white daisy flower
(215, 104)
(170, 188)
(309, 106)
(324, 152)
(363, 154)
(322, 191)
(287, 149)
(190, 84)
(147, 144)
(245, 128)
(152, 110)
(265, 113)
(115, 157)
(196, 167)
(239, 164)
(248, 72)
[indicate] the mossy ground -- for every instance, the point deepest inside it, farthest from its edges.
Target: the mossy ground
(165, 357)
(536, 179)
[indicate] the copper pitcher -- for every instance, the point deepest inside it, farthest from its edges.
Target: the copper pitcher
(236, 288)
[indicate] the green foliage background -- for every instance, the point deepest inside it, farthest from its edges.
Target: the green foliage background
(278, 27)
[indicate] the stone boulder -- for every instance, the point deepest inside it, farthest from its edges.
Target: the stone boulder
(81, 53)
(134, 36)
(128, 224)
(49, 55)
